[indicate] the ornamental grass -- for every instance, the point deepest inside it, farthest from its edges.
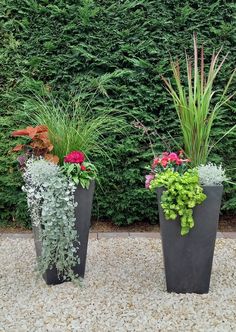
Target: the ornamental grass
(74, 126)
(197, 104)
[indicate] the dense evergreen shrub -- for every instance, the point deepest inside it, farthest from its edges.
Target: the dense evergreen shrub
(116, 50)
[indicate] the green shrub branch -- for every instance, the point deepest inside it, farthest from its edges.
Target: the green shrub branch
(117, 50)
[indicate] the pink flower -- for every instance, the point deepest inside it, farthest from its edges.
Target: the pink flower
(165, 154)
(173, 156)
(149, 178)
(76, 157)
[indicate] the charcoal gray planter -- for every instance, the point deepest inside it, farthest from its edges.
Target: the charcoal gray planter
(188, 258)
(84, 199)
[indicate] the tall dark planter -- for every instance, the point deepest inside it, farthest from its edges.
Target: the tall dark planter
(188, 259)
(84, 199)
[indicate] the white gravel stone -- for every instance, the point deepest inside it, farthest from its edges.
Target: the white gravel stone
(124, 290)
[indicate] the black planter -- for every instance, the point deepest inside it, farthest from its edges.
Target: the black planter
(84, 199)
(188, 258)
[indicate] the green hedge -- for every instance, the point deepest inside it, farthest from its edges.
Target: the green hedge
(119, 49)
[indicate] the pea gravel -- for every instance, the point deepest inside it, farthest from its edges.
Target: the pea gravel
(124, 290)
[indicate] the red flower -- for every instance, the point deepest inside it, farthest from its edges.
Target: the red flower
(179, 162)
(76, 157)
(169, 159)
(156, 161)
(83, 168)
(164, 161)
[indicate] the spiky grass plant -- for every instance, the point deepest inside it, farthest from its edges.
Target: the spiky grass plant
(73, 127)
(197, 104)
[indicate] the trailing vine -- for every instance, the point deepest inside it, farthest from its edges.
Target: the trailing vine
(182, 193)
(51, 204)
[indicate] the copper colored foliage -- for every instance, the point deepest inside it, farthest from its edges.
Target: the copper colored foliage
(40, 144)
(30, 131)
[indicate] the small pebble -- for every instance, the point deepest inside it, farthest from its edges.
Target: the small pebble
(123, 290)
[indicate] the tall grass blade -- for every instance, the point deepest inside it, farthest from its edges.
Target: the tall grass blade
(195, 105)
(72, 126)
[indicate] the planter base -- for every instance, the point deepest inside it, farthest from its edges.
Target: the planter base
(188, 259)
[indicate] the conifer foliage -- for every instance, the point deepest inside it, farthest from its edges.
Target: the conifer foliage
(113, 54)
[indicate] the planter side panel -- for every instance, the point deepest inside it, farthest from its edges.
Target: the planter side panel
(188, 259)
(84, 198)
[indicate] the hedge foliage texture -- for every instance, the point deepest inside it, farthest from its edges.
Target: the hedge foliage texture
(116, 51)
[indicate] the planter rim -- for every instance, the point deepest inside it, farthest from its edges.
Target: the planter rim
(92, 182)
(212, 185)
(203, 186)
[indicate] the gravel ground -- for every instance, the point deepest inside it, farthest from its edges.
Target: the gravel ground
(124, 290)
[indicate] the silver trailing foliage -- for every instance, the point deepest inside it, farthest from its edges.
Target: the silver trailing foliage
(211, 174)
(51, 203)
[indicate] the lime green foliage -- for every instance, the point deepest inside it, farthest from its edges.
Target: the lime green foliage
(120, 51)
(195, 104)
(182, 193)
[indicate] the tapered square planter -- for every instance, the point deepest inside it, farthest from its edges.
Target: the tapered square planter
(84, 199)
(188, 259)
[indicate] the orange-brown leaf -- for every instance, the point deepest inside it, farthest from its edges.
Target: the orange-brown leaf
(38, 144)
(43, 137)
(50, 157)
(30, 131)
(21, 132)
(50, 147)
(41, 129)
(17, 148)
